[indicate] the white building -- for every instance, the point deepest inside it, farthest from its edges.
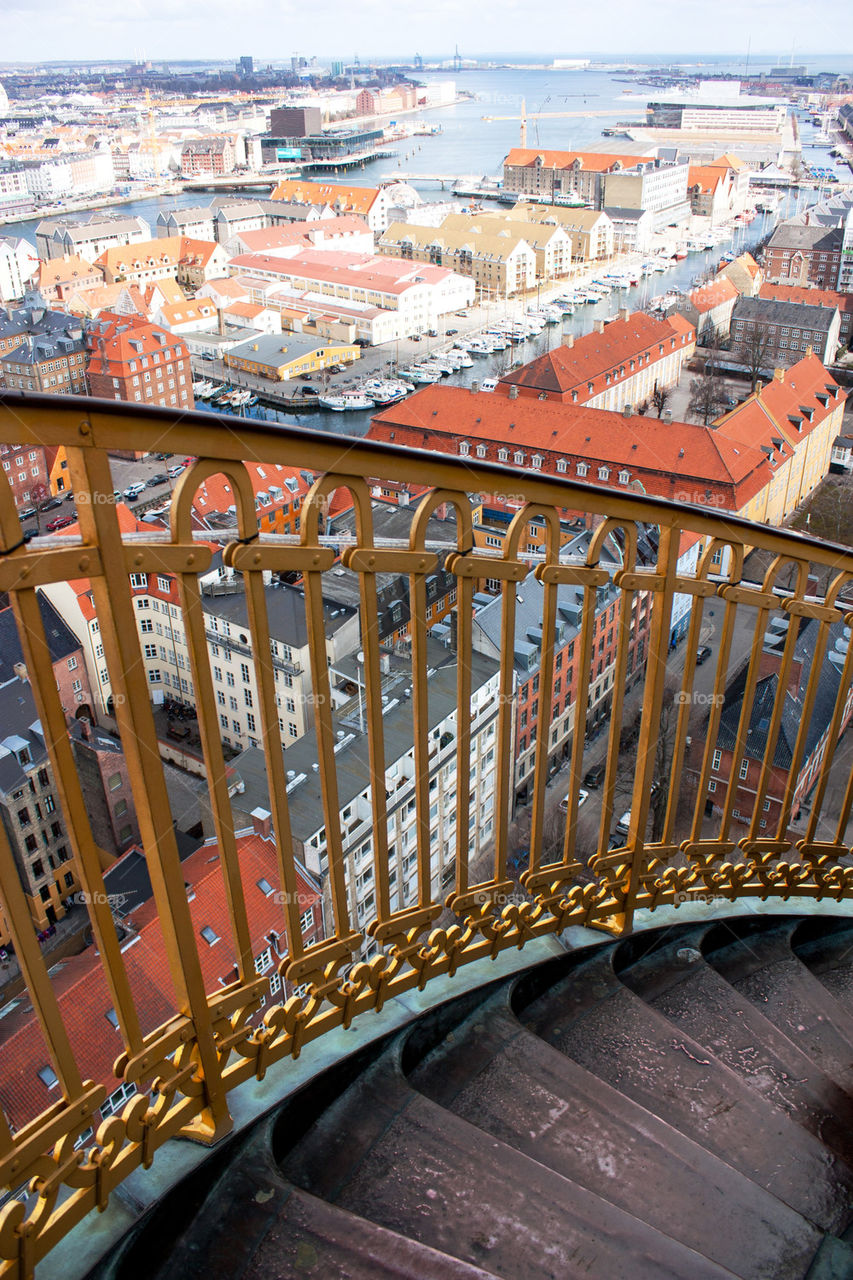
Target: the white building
(356, 813)
(417, 292)
(18, 265)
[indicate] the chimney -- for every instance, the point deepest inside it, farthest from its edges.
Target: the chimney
(628, 411)
(569, 340)
(667, 415)
(624, 313)
(778, 375)
(261, 823)
(220, 313)
(475, 387)
(21, 672)
(598, 327)
(454, 631)
(513, 392)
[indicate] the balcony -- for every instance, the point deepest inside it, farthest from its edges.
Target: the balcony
(687, 754)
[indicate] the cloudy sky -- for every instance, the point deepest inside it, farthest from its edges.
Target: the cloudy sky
(222, 29)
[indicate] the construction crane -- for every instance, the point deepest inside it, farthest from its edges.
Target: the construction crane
(547, 115)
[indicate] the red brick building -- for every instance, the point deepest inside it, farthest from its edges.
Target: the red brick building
(800, 252)
(207, 155)
(131, 359)
(26, 472)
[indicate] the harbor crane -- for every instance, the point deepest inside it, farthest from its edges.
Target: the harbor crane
(547, 115)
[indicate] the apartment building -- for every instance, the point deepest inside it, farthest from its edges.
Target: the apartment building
(131, 359)
(195, 222)
(26, 471)
(419, 294)
(207, 156)
(709, 307)
(805, 252)
(59, 278)
(746, 754)
(51, 356)
(498, 260)
(591, 231)
(88, 238)
(632, 453)
(659, 189)
(778, 332)
(355, 815)
(557, 721)
(30, 812)
(618, 364)
(552, 175)
(18, 265)
(370, 203)
(810, 295)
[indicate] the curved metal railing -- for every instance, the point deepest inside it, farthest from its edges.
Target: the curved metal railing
(507, 866)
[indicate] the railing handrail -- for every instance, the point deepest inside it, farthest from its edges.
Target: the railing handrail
(216, 1038)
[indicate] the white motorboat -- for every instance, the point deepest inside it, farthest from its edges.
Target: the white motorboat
(344, 403)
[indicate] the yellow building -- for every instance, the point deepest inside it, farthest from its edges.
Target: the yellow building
(281, 357)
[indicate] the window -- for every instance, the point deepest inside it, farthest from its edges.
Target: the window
(744, 768)
(114, 781)
(138, 580)
(164, 584)
(306, 920)
(209, 936)
(263, 961)
(48, 1077)
(717, 760)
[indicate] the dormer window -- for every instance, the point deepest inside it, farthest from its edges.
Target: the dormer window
(583, 467)
(561, 465)
(481, 451)
(624, 477)
(464, 448)
(518, 458)
(536, 461)
(604, 473)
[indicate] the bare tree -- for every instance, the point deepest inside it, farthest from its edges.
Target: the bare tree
(754, 349)
(708, 398)
(660, 397)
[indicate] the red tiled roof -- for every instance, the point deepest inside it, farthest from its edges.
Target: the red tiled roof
(595, 161)
(297, 190)
(84, 997)
(668, 456)
(811, 297)
(595, 354)
(714, 294)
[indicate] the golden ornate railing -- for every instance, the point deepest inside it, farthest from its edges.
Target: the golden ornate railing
(215, 1040)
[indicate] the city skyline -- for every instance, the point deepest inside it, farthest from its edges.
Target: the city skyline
(73, 31)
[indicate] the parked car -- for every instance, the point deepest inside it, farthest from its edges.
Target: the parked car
(61, 522)
(416, 337)
(160, 478)
(69, 496)
(310, 391)
(133, 491)
(27, 513)
(175, 470)
(51, 504)
(451, 333)
(703, 654)
(432, 333)
(594, 776)
(29, 534)
(582, 796)
(623, 826)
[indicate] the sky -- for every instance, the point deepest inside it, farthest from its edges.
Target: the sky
(44, 30)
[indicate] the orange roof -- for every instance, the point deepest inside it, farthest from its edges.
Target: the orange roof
(704, 176)
(714, 294)
(669, 456)
(297, 190)
(811, 296)
(66, 270)
(595, 161)
(187, 312)
(86, 1004)
(596, 354)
